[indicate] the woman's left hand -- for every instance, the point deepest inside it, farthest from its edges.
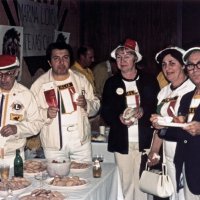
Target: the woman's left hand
(193, 128)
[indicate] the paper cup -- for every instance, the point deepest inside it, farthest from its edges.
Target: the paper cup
(75, 97)
(102, 130)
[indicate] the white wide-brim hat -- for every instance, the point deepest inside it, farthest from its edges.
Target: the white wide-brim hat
(8, 62)
(168, 50)
(188, 52)
(129, 44)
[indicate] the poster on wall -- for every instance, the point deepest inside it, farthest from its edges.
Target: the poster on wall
(61, 36)
(39, 21)
(11, 42)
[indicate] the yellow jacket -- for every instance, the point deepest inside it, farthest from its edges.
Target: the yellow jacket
(85, 71)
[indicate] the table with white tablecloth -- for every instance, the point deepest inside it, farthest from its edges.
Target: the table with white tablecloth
(100, 148)
(105, 188)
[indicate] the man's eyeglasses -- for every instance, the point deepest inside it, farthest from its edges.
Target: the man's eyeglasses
(9, 74)
(191, 66)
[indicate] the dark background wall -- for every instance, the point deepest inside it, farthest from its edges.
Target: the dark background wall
(155, 24)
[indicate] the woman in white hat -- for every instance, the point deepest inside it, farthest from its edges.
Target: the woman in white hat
(169, 98)
(127, 91)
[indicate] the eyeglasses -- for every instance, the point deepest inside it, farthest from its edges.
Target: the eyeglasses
(191, 66)
(9, 74)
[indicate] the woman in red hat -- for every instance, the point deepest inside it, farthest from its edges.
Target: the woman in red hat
(128, 100)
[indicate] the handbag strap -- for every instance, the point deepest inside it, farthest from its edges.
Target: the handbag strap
(164, 167)
(164, 158)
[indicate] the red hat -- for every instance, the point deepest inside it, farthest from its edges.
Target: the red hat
(8, 62)
(130, 44)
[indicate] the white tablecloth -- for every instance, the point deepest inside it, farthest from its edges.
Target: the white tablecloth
(101, 149)
(104, 188)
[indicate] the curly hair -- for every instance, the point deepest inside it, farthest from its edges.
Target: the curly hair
(11, 42)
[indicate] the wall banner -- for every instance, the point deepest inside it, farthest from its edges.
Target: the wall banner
(39, 21)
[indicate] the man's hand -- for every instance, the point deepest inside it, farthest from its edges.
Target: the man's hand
(8, 130)
(52, 112)
(81, 101)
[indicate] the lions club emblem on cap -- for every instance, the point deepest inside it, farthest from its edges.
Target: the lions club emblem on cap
(120, 91)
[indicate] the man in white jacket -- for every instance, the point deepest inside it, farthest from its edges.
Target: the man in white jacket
(65, 99)
(19, 115)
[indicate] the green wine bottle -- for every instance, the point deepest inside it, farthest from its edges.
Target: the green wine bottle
(18, 165)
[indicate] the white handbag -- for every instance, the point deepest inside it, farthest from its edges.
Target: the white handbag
(156, 182)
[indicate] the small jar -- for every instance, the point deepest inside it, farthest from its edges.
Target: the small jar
(96, 169)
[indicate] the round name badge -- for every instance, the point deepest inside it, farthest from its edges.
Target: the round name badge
(119, 91)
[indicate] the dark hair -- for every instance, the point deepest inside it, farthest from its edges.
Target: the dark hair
(83, 50)
(173, 52)
(60, 46)
(11, 36)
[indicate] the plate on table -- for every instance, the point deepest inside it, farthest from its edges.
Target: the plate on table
(34, 166)
(79, 166)
(63, 183)
(15, 183)
(39, 193)
(99, 138)
(171, 124)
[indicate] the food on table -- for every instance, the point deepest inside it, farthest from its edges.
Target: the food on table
(99, 138)
(15, 183)
(79, 165)
(67, 181)
(55, 161)
(34, 166)
(39, 194)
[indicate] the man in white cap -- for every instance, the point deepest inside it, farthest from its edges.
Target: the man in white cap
(187, 157)
(128, 138)
(19, 115)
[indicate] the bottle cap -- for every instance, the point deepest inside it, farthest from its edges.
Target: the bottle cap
(17, 150)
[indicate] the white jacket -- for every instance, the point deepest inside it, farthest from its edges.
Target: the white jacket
(49, 134)
(19, 108)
